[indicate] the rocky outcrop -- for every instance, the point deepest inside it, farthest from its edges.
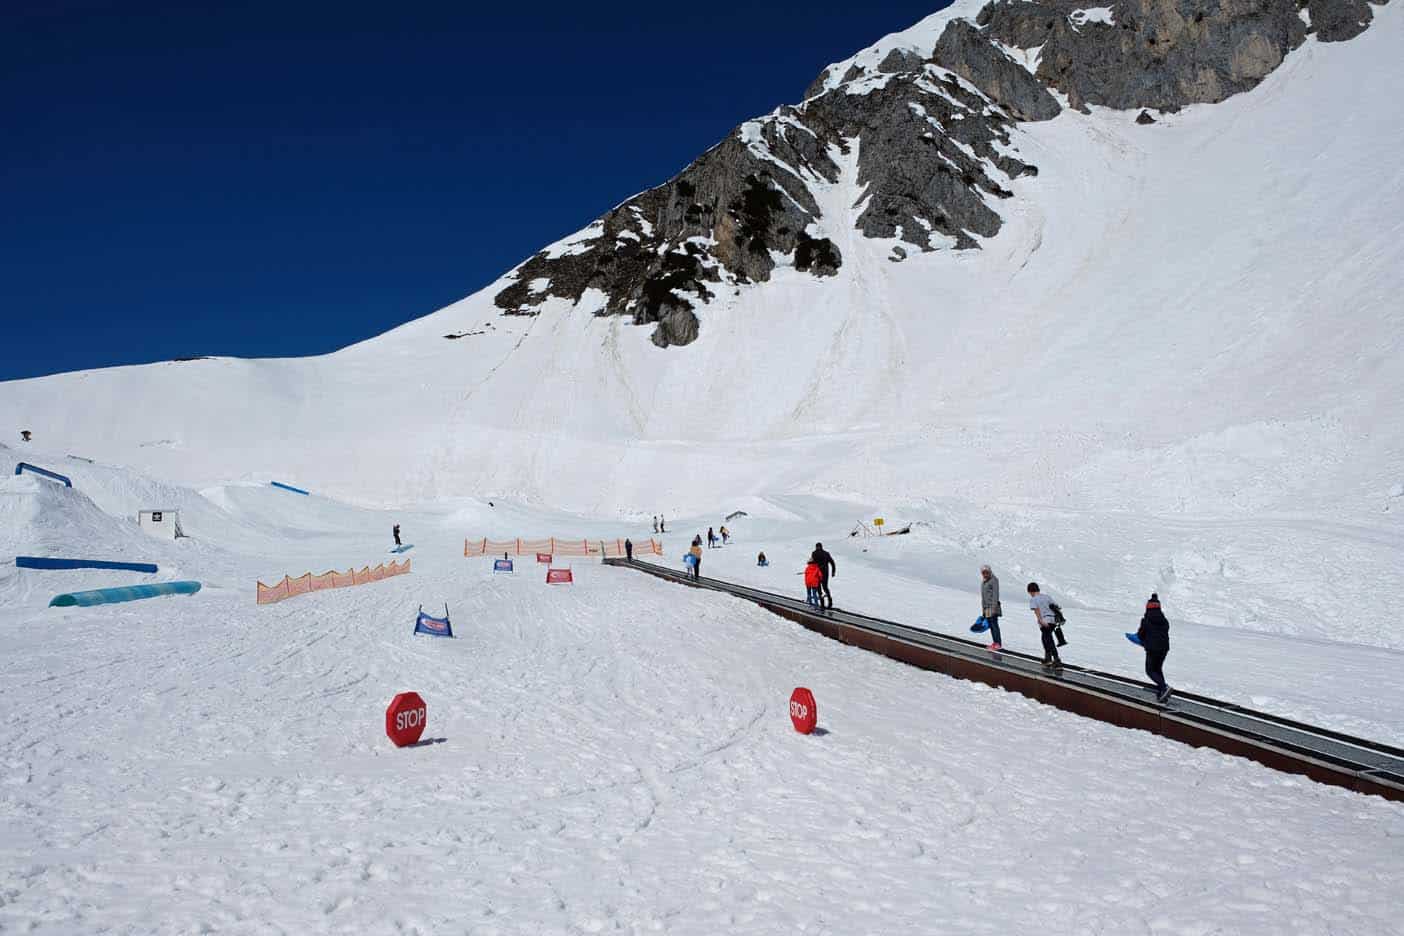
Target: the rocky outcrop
(913, 147)
(1339, 20)
(1161, 54)
(967, 51)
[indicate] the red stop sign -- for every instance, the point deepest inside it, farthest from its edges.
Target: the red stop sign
(405, 718)
(803, 712)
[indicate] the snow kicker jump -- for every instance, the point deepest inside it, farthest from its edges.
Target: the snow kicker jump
(43, 472)
(100, 596)
(41, 562)
(291, 587)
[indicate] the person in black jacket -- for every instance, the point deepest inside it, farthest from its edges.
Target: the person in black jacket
(1154, 633)
(827, 568)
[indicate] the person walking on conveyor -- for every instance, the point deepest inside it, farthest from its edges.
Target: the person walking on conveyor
(1154, 633)
(989, 604)
(1043, 614)
(827, 570)
(696, 553)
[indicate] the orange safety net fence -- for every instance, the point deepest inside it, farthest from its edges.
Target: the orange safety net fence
(556, 546)
(290, 587)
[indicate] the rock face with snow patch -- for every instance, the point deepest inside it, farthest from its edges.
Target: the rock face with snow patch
(920, 137)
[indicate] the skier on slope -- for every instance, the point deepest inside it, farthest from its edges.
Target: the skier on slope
(827, 569)
(1043, 614)
(989, 604)
(1154, 633)
(395, 532)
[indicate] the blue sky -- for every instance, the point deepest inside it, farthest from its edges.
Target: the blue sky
(272, 179)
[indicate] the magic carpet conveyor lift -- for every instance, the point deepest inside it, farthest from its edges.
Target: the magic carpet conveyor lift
(1319, 753)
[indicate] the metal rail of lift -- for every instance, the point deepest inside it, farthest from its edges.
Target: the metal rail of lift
(1319, 753)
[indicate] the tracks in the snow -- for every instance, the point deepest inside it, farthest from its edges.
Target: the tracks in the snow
(1321, 754)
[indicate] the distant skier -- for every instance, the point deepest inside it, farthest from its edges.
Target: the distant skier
(762, 561)
(395, 532)
(711, 539)
(696, 553)
(812, 578)
(662, 524)
(827, 569)
(725, 535)
(990, 607)
(1155, 637)
(629, 550)
(1043, 615)
(655, 523)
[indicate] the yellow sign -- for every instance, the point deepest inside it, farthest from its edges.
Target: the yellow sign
(877, 521)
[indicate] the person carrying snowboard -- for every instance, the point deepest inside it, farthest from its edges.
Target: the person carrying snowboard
(725, 535)
(827, 570)
(395, 532)
(696, 553)
(1043, 614)
(990, 607)
(812, 578)
(1154, 634)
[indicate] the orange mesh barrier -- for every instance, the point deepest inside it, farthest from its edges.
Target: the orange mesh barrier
(290, 587)
(610, 549)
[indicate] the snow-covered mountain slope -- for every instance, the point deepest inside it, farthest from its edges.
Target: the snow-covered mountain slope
(1197, 319)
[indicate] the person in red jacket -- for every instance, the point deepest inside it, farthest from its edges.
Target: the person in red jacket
(813, 578)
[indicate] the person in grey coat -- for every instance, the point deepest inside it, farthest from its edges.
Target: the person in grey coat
(989, 604)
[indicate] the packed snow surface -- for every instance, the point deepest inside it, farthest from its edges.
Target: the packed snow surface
(615, 755)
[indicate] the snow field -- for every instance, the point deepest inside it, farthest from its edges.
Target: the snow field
(614, 755)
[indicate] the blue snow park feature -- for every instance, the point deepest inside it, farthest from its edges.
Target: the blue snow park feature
(41, 562)
(502, 565)
(43, 472)
(434, 627)
(1135, 639)
(100, 596)
(288, 487)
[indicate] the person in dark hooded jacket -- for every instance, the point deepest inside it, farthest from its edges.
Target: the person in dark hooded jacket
(1154, 633)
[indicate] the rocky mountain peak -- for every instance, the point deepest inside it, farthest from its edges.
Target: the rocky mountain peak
(922, 123)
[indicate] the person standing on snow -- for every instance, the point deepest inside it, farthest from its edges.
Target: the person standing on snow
(1043, 614)
(1154, 634)
(395, 532)
(655, 523)
(662, 524)
(629, 550)
(989, 604)
(726, 536)
(711, 539)
(827, 569)
(696, 553)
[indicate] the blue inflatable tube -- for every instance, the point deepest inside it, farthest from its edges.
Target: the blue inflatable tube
(288, 487)
(98, 596)
(26, 466)
(40, 562)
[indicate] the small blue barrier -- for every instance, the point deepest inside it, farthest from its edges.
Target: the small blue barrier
(434, 627)
(54, 475)
(98, 596)
(502, 565)
(289, 487)
(40, 562)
